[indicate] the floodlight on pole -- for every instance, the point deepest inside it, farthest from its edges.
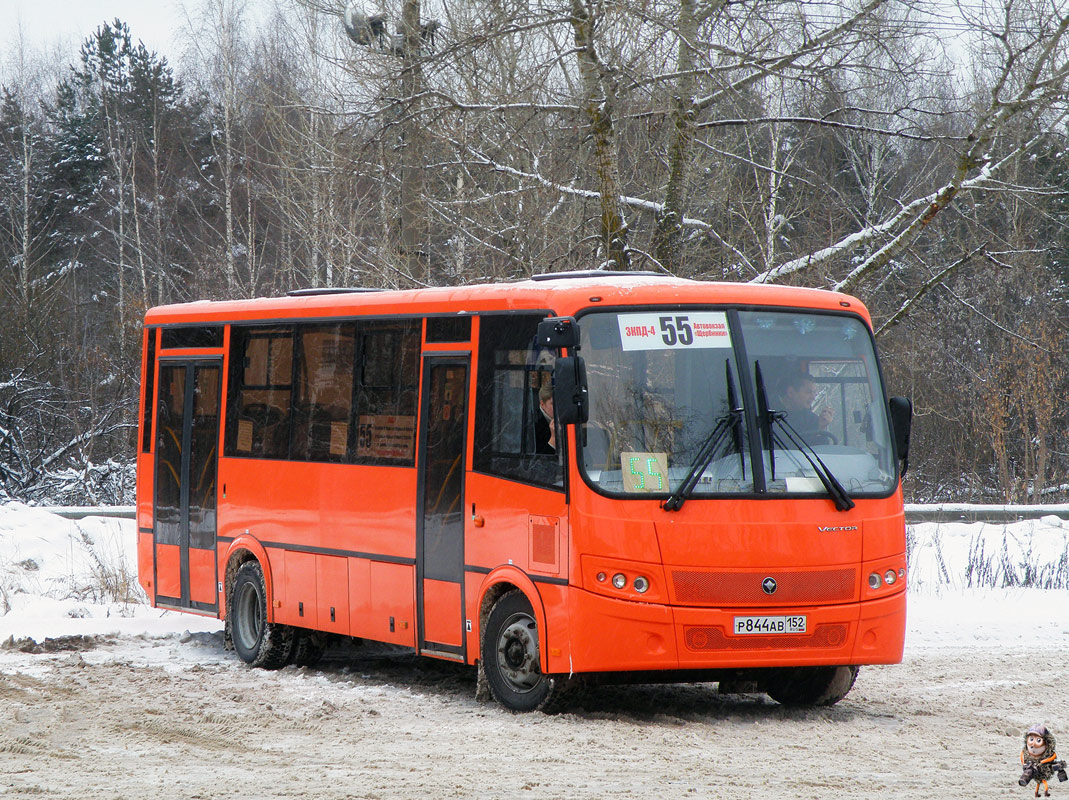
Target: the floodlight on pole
(370, 30)
(364, 29)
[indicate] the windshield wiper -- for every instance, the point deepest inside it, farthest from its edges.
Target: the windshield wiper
(709, 447)
(769, 418)
(764, 419)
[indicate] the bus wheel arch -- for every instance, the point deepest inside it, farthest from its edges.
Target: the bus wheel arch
(257, 641)
(241, 550)
(499, 583)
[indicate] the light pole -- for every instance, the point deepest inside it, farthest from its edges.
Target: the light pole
(371, 31)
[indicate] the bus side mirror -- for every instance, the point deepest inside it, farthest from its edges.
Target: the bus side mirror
(555, 332)
(901, 411)
(569, 391)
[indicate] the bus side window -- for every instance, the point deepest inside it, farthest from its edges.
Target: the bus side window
(261, 378)
(323, 396)
(512, 427)
(387, 379)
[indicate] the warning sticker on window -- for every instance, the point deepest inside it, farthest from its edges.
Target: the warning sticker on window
(695, 329)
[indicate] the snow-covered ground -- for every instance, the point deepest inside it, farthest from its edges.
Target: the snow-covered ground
(968, 582)
(139, 709)
(61, 577)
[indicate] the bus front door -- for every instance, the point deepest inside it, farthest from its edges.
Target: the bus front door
(440, 505)
(187, 441)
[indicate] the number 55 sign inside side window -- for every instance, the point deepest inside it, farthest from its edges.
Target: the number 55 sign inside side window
(675, 331)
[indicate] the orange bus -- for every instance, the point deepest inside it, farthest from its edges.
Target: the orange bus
(583, 475)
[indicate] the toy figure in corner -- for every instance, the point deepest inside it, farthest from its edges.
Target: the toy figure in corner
(1038, 759)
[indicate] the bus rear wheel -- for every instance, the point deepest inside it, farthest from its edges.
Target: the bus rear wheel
(511, 659)
(810, 686)
(258, 642)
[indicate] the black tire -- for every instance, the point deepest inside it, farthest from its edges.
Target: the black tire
(810, 686)
(308, 647)
(511, 659)
(258, 642)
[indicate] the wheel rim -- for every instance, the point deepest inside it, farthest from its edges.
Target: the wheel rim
(249, 617)
(517, 653)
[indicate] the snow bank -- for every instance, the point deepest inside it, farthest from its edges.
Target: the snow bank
(61, 577)
(977, 584)
(959, 555)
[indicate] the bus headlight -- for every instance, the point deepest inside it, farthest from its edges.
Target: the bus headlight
(885, 577)
(637, 581)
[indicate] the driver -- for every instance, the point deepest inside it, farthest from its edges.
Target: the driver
(545, 422)
(798, 397)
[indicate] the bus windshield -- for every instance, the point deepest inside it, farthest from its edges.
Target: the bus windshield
(675, 397)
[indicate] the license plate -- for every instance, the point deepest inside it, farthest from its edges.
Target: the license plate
(767, 625)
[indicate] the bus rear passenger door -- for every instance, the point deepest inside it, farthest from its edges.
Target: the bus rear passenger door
(439, 514)
(187, 431)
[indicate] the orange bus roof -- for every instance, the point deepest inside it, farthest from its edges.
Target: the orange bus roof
(563, 295)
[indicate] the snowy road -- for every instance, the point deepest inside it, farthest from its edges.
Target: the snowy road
(150, 718)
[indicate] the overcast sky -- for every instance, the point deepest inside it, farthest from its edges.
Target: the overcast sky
(69, 22)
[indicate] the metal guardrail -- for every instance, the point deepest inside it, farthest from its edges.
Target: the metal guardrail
(81, 512)
(970, 512)
(915, 512)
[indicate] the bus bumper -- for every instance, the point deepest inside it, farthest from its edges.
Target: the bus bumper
(611, 635)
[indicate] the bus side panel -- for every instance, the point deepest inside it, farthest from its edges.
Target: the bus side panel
(169, 570)
(360, 622)
(355, 512)
(473, 582)
(558, 637)
(145, 489)
(144, 564)
(522, 525)
(441, 608)
(202, 576)
(295, 594)
(350, 509)
(332, 593)
(393, 603)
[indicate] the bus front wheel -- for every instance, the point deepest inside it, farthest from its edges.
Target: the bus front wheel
(257, 641)
(810, 686)
(510, 656)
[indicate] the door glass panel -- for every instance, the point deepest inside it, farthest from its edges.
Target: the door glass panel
(443, 523)
(203, 452)
(169, 481)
